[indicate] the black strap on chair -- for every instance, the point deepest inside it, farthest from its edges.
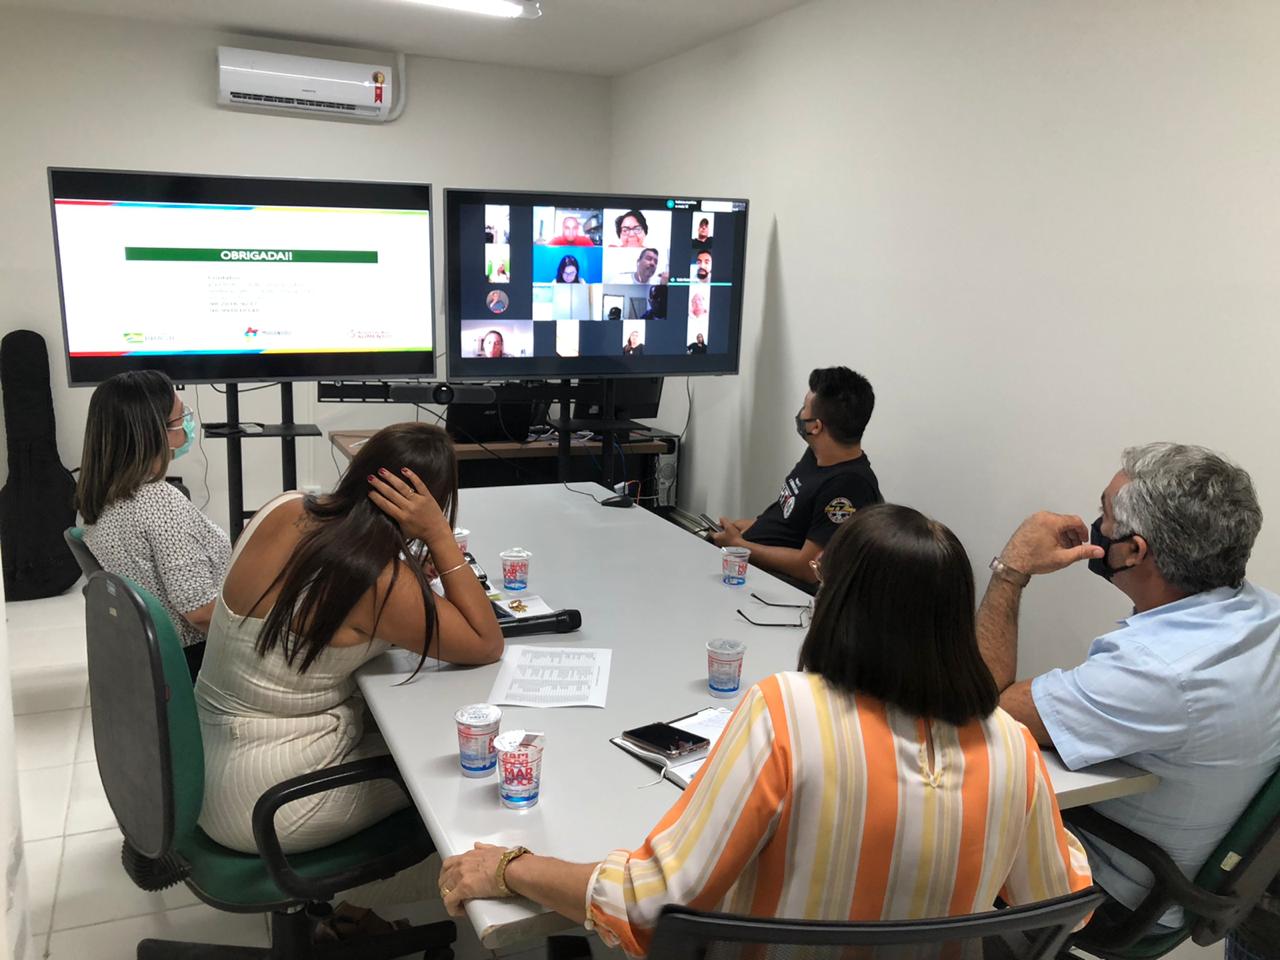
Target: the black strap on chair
(1214, 913)
(1034, 932)
(307, 785)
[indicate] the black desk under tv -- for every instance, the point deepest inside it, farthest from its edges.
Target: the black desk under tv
(506, 463)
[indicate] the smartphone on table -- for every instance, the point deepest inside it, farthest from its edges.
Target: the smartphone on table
(665, 740)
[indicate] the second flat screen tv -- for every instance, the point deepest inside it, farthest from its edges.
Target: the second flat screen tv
(559, 285)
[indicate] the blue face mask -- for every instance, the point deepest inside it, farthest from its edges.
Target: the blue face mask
(189, 432)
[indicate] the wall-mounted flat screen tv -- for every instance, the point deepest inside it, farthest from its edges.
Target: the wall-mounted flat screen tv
(216, 278)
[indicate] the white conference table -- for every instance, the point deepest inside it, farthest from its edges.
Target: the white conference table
(650, 592)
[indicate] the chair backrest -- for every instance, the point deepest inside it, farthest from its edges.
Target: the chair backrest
(147, 736)
(1033, 932)
(89, 564)
(1247, 860)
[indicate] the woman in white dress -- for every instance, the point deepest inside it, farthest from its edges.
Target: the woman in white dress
(317, 587)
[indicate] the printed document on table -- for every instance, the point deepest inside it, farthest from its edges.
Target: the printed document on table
(537, 676)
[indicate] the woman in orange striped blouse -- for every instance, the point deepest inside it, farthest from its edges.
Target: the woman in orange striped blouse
(880, 783)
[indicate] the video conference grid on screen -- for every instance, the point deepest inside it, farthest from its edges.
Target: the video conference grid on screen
(617, 284)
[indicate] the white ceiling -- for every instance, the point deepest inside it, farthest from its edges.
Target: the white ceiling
(601, 37)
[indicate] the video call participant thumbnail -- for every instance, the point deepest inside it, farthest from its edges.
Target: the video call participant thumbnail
(634, 346)
(699, 344)
(701, 268)
(569, 271)
(505, 339)
(829, 484)
(699, 307)
(702, 238)
(570, 234)
(632, 229)
(645, 269)
(657, 309)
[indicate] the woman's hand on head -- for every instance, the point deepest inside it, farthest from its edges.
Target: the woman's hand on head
(407, 501)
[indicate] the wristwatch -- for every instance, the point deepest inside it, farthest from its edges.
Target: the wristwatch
(1005, 572)
(500, 874)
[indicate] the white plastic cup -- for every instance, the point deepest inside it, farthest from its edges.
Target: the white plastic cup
(478, 725)
(515, 568)
(519, 768)
(733, 565)
(724, 667)
(460, 537)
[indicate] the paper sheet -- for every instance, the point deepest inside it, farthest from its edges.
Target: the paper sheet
(537, 676)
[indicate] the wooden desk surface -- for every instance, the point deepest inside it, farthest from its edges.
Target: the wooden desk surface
(349, 441)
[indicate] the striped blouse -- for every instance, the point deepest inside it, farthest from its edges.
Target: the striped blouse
(819, 804)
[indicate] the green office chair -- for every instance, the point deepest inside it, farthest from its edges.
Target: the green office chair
(89, 564)
(151, 761)
(1032, 932)
(1224, 892)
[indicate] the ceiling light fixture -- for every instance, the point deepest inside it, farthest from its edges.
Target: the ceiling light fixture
(511, 9)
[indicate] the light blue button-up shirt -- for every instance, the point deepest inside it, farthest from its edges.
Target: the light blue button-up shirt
(1191, 692)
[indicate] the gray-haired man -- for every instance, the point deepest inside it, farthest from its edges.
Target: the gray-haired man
(1188, 687)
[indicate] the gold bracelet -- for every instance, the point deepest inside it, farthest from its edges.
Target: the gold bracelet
(464, 563)
(500, 875)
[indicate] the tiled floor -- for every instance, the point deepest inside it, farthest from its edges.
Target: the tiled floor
(83, 904)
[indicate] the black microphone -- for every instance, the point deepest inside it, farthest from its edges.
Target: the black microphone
(562, 621)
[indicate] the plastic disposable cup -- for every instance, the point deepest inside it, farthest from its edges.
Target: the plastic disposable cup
(460, 537)
(724, 667)
(477, 729)
(515, 568)
(519, 768)
(733, 565)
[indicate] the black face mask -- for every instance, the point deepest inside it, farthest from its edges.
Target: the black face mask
(801, 420)
(1099, 565)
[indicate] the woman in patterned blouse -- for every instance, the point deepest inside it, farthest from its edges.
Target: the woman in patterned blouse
(880, 782)
(136, 524)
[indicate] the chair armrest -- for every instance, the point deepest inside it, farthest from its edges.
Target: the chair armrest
(1171, 887)
(296, 788)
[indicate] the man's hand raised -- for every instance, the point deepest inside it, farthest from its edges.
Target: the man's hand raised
(1045, 542)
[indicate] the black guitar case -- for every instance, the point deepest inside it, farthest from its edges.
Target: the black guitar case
(37, 501)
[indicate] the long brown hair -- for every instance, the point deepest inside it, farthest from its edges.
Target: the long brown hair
(350, 542)
(894, 617)
(125, 437)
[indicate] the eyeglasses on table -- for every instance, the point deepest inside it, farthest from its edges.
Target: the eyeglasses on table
(804, 613)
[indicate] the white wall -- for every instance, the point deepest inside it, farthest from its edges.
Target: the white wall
(1044, 230)
(104, 92)
(15, 915)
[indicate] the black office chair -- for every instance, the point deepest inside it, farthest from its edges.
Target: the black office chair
(151, 761)
(1223, 893)
(1033, 932)
(89, 564)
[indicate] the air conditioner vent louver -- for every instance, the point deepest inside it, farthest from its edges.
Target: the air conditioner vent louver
(258, 80)
(291, 101)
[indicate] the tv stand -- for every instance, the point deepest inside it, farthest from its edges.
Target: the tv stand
(233, 431)
(611, 432)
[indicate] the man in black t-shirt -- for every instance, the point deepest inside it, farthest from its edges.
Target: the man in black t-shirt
(832, 481)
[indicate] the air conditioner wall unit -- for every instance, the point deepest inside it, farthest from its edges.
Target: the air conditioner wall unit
(280, 81)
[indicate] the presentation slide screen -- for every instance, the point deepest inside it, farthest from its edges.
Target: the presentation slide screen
(548, 285)
(216, 279)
